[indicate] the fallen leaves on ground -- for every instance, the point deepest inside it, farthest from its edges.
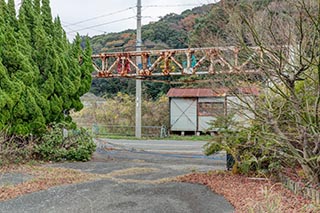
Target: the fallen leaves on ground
(45, 177)
(298, 176)
(132, 171)
(252, 195)
(245, 194)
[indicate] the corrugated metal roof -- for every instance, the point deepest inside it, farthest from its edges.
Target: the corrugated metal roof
(206, 92)
(190, 92)
(249, 90)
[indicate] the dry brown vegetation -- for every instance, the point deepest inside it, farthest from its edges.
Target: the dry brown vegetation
(119, 110)
(244, 193)
(252, 194)
(43, 178)
(46, 177)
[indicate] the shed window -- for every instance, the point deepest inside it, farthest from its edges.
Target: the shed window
(211, 109)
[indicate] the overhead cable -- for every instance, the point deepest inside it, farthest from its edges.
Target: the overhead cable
(103, 24)
(173, 5)
(66, 25)
(101, 16)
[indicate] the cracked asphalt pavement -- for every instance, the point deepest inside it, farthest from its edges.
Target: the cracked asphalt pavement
(132, 191)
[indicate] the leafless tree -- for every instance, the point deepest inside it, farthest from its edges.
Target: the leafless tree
(282, 40)
(287, 34)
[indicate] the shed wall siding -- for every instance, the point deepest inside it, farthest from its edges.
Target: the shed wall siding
(204, 122)
(183, 114)
(212, 100)
(242, 114)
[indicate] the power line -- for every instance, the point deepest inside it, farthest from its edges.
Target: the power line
(129, 8)
(73, 31)
(119, 20)
(70, 33)
(101, 16)
(99, 25)
(67, 25)
(174, 5)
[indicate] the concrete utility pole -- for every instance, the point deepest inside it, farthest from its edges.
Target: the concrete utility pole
(138, 81)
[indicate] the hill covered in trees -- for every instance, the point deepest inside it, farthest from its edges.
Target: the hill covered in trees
(207, 25)
(171, 31)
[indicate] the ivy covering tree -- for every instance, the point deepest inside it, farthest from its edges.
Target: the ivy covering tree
(42, 74)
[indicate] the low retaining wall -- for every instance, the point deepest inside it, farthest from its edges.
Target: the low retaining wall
(303, 190)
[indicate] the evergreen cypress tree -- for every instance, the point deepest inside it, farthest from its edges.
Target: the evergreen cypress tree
(6, 103)
(26, 115)
(12, 14)
(37, 6)
(40, 74)
(26, 15)
(46, 16)
(86, 69)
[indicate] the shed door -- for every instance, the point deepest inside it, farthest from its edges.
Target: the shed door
(183, 113)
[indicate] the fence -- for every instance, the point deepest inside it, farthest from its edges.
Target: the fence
(308, 192)
(122, 130)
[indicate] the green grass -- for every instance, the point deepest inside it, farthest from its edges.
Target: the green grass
(189, 138)
(171, 137)
(117, 137)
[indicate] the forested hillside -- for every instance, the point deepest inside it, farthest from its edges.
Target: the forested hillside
(208, 25)
(171, 31)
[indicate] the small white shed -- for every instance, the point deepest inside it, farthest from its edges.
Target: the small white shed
(192, 109)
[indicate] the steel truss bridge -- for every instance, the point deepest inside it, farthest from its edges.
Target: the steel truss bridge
(192, 61)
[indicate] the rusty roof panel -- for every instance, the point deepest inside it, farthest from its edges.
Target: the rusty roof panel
(249, 90)
(205, 92)
(188, 92)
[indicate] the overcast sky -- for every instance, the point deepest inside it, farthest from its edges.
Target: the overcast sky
(117, 15)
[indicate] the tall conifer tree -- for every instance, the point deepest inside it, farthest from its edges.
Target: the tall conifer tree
(40, 76)
(12, 14)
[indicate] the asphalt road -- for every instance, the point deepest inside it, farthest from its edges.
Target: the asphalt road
(136, 192)
(159, 146)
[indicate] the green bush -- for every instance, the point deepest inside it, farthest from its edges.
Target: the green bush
(250, 149)
(77, 145)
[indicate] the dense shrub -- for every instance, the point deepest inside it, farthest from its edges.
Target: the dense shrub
(64, 143)
(249, 148)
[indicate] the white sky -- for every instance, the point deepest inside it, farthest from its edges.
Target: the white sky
(73, 11)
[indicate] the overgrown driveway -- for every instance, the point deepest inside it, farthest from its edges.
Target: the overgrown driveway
(130, 180)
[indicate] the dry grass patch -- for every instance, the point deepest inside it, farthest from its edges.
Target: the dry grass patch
(132, 171)
(43, 178)
(157, 181)
(46, 177)
(252, 195)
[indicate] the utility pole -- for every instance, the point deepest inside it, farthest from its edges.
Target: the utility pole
(138, 81)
